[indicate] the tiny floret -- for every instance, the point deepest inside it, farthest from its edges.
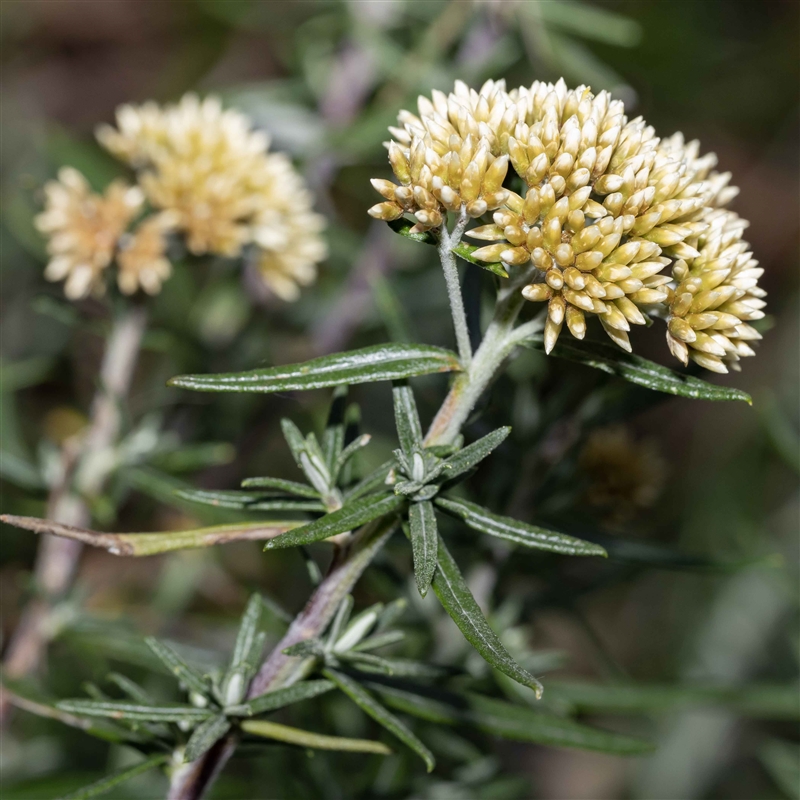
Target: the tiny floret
(600, 216)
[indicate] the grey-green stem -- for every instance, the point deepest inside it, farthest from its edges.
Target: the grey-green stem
(447, 241)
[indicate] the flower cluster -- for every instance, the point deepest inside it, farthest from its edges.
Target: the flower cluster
(210, 177)
(599, 215)
(84, 229)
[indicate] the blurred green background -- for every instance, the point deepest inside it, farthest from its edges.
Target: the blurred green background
(706, 584)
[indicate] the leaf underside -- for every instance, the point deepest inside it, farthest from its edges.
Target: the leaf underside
(392, 361)
(638, 370)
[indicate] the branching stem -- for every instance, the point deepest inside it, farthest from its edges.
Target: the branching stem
(350, 561)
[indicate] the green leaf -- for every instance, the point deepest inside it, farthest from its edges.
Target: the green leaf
(115, 778)
(348, 452)
(348, 518)
(462, 250)
(639, 370)
(406, 418)
(333, 436)
(458, 602)
(130, 688)
(119, 709)
(362, 698)
(373, 482)
(148, 544)
(591, 22)
(761, 701)
(380, 640)
(500, 718)
(485, 521)
(272, 701)
(390, 361)
(424, 542)
(366, 662)
(465, 459)
(205, 736)
(188, 675)
(340, 619)
(317, 741)
(247, 501)
(294, 438)
(248, 628)
(283, 486)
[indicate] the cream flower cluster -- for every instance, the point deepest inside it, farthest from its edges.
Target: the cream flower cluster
(605, 218)
(86, 231)
(215, 174)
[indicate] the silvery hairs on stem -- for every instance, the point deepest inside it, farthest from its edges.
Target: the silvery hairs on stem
(619, 224)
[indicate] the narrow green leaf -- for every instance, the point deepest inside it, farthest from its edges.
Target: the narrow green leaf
(316, 741)
(248, 628)
(272, 701)
(348, 452)
(333, 436)
(340, 619)
(283, 486)
(358, 627)
(406, 418)
(205, 736)
(380, 640)
(294, 438)
(373, 482)
(390, 361)
(188, 675)
(485, 521)
(424, 543)
(367, 662)
(148, 544)
(500, 718)
(348, 518)
(462, 250)
(639, 370)
(308, 648)
(115, 778)
(118, 709)
(130, 688)
(781, 759)
(458, 602)
(465, 459)
(247, 501)
(362, 698)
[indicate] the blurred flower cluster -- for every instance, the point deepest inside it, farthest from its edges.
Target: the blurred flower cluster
(201, 172)
(604, 218)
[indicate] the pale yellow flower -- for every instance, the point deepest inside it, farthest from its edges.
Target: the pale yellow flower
(605, 206)
(83, 229)
(215, 174)
(141, 260)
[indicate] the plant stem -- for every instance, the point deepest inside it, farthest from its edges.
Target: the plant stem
(447, 242)
(86, 464)
(350, 561)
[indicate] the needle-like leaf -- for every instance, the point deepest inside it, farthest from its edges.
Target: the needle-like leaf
(424, 543)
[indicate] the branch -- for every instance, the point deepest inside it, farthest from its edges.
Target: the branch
(149, 544)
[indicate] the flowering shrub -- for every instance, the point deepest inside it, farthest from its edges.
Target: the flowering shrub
(590, 213)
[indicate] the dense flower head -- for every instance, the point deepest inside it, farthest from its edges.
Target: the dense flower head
(605, 218)
(214, 173)
(84, 229)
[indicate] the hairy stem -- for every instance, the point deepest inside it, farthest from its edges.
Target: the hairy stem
(85, 467)
(448, 240)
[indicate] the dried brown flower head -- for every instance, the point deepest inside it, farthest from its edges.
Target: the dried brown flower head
(84, 229)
